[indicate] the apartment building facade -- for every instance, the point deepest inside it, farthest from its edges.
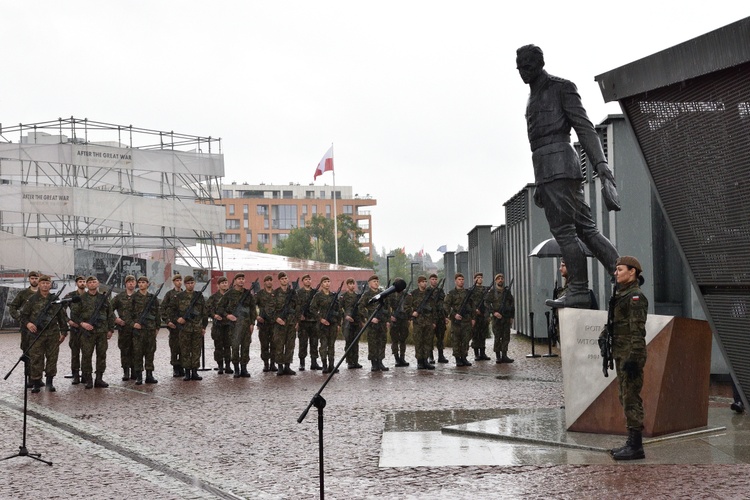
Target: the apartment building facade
(264, 214)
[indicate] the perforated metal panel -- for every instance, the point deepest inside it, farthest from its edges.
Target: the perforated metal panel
(695, 138)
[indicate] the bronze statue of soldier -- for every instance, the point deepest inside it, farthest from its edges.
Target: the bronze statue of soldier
(553, 108)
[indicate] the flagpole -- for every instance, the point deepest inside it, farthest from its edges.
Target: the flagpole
(335, 215)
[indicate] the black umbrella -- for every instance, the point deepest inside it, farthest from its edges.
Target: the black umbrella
(550, 248)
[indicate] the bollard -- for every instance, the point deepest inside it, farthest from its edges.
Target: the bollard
(533, 354)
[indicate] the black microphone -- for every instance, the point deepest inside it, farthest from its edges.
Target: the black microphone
(398, 285)
(73, 299)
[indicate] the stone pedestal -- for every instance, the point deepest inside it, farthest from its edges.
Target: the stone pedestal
(676, 375)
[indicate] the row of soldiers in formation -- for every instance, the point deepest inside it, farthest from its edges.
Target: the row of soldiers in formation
(283, 314)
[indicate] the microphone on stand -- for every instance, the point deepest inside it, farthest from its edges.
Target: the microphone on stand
(398, 285)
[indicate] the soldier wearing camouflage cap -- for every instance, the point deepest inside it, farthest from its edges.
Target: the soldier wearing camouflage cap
(122, 305)
(629, 310)
(174, 337)
(48, 324)
(74, 338)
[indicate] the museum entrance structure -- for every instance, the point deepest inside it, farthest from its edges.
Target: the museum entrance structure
(689, 107)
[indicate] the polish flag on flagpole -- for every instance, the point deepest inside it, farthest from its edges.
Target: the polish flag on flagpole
(325, 164)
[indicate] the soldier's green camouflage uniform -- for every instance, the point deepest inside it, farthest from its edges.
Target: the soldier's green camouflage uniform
(74, 340)
(264, 300)
(191, 333)
(219, 331)
(144, 340)
(174, 337)
(122, 305)
(481, 325)
(629, 350)
(307, 330)
(460, 330)
(423, 325)
(349, 329)
(15, 311)
(96, 339)
(504, 303)
(400, 327)
(320, 305)
(241, 304)
(376, 332)
(284, 335)
(40, 311)
(439, 320)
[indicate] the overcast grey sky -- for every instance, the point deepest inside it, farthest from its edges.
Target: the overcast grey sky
(421, 99)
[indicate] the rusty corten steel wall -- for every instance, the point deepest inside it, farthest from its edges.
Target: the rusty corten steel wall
(695, 138)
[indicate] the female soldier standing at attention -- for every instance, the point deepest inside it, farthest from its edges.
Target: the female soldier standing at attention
(629, 308)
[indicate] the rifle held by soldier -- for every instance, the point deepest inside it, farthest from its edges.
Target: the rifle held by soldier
(145, 313)
(189, 314)
(306, 308)
(334, 302)
(606, 339)
(426, 300)
(290, 293)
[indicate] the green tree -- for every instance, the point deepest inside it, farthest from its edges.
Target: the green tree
(315, 241)
(397, 267)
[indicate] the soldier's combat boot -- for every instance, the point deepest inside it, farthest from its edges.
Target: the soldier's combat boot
(76, 378)
(427, 365)
(125, 374)
(403, 359)
(221, 368)
(505, 358)
(99, 382)
(50, 387)
(332, 365)
(325, 365)
(375, 366)
(187, 377)
(228, 367)
(132, 374)
(302, 364)
(633, 451)
(265, 366)
(476, 354)
(36, 386)
(383, 368)
(280, 371)
(176, 371)
(288, 370)
(88, 381)
(138, 377)
(237, 373)
(314, 364)
(243, 371)
(483, 355)
(194, 374)
(272, 366)
(441, 358)
(628, 442)
(149, 377)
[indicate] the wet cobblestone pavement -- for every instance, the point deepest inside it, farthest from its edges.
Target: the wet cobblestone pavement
(239, 438)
